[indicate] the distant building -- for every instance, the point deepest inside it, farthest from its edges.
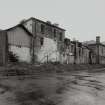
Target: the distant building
(98, 51)
(75, 52)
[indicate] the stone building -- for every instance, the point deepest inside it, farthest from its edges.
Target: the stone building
(75, 52)
(98, 52)
(36, 41)
(19, 43)
(81, 53)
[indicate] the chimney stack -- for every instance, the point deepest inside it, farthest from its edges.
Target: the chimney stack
(98, 39)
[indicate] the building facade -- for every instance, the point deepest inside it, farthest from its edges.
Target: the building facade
(98, 52)
(75, 52)
(19, 43)
(47, 39)
(36, 41)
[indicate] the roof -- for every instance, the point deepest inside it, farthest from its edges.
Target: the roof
(21, 26)
(74, 42)
(35, 19)
(96, 44)
(80, 44)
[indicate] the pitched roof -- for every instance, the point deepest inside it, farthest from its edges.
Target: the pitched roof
(21, 26)
(32, 18)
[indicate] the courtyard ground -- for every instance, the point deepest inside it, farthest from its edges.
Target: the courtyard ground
(52, 84)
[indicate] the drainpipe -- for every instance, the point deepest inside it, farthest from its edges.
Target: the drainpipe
(97, 45)
(33, 41)
(98, 54)
(75, 52)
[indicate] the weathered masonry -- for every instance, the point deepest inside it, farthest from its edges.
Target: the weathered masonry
(98, 52)
(36, 41)
(47, 40)
(19, 43)
(75, 52)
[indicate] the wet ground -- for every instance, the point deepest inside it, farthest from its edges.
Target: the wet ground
(73, 88)
(85, 89)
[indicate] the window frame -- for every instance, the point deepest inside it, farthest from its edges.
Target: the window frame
(42, 28)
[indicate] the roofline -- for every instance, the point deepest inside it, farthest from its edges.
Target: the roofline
(76, 42)
(32, 18)
(96, 44)
(81, 44)
(12, 27)
(19, 25)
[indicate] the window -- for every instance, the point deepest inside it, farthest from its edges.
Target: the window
(42, 28)
(41, 41)
(79, 51)
(19, 46)
(49, 28)
(72, 49)
(54, 33)
(60, 37)
(82, 51)
(102, 51)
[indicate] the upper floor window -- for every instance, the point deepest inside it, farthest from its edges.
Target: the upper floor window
(42, 28)
(102, 51)
(55, 33)
(60, 38)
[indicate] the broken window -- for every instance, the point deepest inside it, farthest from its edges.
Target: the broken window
(42, 28)
(41, 41)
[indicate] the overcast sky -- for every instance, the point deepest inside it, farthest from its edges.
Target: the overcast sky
(82, 19)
